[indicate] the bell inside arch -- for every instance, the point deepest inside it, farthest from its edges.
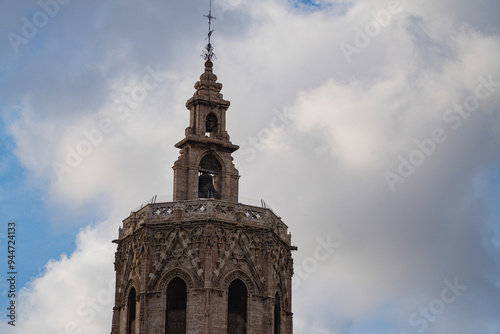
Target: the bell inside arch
(206, 187)
(211, 124)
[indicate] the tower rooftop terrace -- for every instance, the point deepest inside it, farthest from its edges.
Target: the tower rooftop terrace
(182, 212)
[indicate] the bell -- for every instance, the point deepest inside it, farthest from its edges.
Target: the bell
(209, 127)
(206, 187)
(211, 123)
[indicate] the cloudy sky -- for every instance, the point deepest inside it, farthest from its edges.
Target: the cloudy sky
(371, 127)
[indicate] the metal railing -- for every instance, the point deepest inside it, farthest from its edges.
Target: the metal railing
(169, 198)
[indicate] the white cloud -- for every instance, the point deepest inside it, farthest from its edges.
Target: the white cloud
(326, 165)
(75, 293)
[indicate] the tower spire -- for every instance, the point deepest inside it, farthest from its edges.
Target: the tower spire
(205, 250)
(208, 52)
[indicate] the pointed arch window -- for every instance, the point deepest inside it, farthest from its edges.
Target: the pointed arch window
(209, 178)
(131, 311)
(237, 308)
(176, 307)
(277, 313)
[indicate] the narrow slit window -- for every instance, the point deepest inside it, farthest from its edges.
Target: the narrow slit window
(131, 311)
(176, 307)
(237, 308)
(277, 313)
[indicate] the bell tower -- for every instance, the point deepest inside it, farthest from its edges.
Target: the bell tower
(205, 166)
(204, 263)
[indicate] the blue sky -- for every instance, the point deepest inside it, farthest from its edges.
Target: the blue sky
(22, 202)
(369, 123)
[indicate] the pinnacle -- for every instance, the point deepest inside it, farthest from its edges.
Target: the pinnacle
(208, 80)
(209, 65)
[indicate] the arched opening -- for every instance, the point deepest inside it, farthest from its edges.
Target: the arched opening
(237, 308)
(176, 307)
(131, 311)
(209, 178)
(277, 313)
(211, 125)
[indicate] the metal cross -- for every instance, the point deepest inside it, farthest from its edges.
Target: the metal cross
(210, 17)
(208, 53)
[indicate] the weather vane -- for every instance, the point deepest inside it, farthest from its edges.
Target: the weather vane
(208, 52)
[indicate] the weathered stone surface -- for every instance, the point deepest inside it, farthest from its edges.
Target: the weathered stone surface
(198, 143)
(208, 243)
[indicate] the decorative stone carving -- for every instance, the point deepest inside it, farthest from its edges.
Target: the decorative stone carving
(207, 243)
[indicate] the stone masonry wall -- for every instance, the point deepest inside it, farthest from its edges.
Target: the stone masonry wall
(208, 244)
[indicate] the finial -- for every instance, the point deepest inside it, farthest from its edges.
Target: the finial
(208, 53)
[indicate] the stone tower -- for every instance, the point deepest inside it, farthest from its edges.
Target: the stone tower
(204, 263)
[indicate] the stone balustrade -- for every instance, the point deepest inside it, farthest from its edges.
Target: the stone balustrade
(205, 209)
